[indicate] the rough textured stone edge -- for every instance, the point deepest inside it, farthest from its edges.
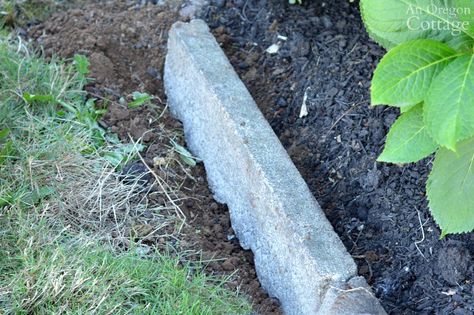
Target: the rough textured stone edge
(298, 257)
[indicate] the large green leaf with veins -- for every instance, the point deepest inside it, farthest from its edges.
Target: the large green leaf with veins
(392, 22)
(449, 105)
(408, 140)
(405, 73)
(450, 189)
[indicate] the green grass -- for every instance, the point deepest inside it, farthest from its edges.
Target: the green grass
(20, 12)
(56, 273)
(55, 203)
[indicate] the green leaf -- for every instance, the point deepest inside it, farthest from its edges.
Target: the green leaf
(3, 202)
(377, 30)
(449, 107)
(405, 73)
(405, 109)
(4, 133)
(45, 191)
(30, 98)
(139, 99)
(408, 140)
(184, 154)
(450, 189)
(392, 22)
(6, 199)
(466, 13)
(114, 158)
(82, 64)
(32, 198)
(68, 106)
(130, 148)
(122, 153)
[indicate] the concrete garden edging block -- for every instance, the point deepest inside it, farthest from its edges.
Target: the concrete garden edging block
(298, 257)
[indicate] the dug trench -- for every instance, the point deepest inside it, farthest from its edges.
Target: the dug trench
(322, 59)
(125, 43)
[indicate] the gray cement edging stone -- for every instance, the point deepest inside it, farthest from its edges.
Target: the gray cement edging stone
(298, 257)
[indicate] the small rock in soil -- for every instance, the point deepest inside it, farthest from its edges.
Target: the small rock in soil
(362, 213)
(326, 21)
(136, 171)
(299, 47)
(281, 102)
(154, 73)
(227, 265)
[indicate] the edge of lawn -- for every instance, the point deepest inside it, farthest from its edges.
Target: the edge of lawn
(50, 260)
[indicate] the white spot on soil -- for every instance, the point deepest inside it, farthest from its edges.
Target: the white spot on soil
(273, 49)
(304, 108)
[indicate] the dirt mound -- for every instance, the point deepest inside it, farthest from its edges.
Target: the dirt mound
(126, 46)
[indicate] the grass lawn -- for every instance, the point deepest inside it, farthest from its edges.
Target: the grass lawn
(53, 257)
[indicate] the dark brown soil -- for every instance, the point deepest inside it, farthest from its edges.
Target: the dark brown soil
(126, 46)
(379, 210)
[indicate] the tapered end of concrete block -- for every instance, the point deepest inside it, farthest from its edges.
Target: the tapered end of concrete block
(298, 256)
(351, 298)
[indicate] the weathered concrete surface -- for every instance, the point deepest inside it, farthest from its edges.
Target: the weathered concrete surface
(298, 256)
(351, 298)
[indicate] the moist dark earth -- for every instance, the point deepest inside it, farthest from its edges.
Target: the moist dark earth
(326, 60)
